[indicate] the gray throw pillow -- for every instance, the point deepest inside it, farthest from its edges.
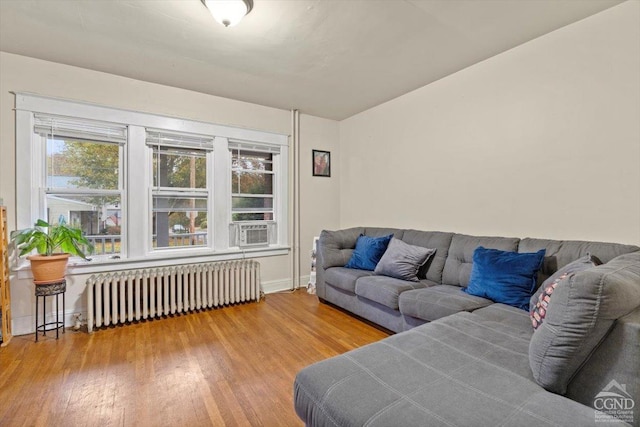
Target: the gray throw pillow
(403, 261)
(581, 312)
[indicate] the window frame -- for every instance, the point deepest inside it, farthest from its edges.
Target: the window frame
(138, 182)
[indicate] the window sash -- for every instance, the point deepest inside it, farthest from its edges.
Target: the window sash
(48, 184)
(197, 156)
(71, 203)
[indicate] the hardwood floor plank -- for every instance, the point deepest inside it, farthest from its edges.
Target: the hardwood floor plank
(226, 367)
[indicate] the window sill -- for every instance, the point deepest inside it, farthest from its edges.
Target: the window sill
(78, 266)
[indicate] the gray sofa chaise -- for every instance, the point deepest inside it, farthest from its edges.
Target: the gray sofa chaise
(464, 360)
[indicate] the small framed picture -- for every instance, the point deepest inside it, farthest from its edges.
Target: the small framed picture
(321, 163)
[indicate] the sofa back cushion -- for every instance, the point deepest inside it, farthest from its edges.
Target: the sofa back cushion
(582, 310)
(457, 267)
(438, 240)
(562, 252)
(336, 247)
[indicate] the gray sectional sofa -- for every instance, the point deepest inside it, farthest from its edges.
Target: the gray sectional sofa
(464, 360)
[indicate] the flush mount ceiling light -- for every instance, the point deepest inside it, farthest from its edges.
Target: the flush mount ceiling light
(228, 12)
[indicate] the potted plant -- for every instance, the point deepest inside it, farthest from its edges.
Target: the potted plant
(54, 244)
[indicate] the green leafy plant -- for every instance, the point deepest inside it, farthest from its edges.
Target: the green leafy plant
(48, 239)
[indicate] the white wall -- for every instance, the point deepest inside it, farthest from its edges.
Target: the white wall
(542, 140)
(23, 74)
(320, 196)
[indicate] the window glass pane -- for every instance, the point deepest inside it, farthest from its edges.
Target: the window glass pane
(173, 167)
(179, 221)
(251, 183)
(73, 163)
(99, 217)
(252, 209)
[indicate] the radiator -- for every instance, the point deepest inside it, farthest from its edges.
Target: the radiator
(133, 295)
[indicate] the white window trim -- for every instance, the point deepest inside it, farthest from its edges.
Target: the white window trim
(29, 182)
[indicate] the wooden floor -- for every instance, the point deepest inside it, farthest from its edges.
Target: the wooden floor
(233, 366)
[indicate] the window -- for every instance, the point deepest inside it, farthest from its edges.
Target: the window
(150, 189)
(180, 194)
(251, 185)
(83, 178)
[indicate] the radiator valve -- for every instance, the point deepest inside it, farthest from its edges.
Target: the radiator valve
(77, 321)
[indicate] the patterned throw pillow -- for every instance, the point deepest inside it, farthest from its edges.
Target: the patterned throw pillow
(539, 310)
(583, 263)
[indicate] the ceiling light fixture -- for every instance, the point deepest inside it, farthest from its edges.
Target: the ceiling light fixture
(228, 12)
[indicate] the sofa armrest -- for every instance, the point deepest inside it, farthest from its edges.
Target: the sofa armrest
(334, 250)
(616, 358)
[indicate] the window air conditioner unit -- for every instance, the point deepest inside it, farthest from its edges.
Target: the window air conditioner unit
(254, 235)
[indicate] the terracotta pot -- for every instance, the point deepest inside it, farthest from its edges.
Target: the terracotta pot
(48, 269)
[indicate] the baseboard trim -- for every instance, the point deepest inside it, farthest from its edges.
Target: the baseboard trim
(26, 324)
(282, 285)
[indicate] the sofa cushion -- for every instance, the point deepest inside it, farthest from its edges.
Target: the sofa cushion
(458, 371)
(583, 308)
(368, 252)
(457, 268)
(562, 252)
(504, 276)
(506, 318)
(438, 240)
(385, 290)
(439, 301)
(402, 260)
(344, 278)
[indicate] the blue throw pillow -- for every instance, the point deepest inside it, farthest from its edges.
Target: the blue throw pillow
(506, 277)
(368, 252)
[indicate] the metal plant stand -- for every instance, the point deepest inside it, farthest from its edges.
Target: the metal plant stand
(48, 290)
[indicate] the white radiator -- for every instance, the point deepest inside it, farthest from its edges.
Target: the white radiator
(127, 296)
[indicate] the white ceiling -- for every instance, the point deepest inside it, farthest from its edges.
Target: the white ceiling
(329, 58)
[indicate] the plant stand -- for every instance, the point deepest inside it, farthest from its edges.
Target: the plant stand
(46, 290)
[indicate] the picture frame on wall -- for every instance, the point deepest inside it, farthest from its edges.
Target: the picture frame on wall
(321, 163)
